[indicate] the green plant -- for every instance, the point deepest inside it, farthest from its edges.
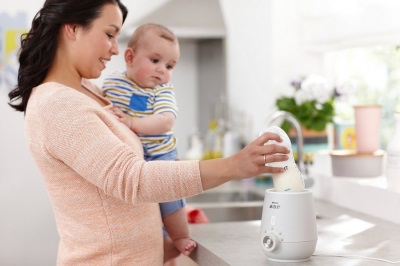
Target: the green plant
(312, 103)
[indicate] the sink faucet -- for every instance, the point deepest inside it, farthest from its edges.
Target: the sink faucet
(289, 117)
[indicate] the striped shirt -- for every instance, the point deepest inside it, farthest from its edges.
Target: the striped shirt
(140, 102)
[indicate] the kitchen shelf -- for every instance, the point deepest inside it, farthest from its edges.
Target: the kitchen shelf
(365, 195)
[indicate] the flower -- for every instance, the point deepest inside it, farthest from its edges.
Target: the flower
(312, 103)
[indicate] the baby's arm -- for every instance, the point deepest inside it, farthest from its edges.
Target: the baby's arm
(153, 124)
(150, 125)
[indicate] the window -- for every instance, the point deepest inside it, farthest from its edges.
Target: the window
(366, 75)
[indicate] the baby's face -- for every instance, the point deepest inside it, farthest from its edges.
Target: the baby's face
(153, 62)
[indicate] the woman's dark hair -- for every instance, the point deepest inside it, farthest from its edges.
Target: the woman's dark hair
(38, 46)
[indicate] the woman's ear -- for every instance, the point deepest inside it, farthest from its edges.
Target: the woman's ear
(71, 30)
(128, 55)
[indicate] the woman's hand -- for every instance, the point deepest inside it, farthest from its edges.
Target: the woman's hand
(252, 160)
(249, 162)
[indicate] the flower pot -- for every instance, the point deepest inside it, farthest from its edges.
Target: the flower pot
(368, 126)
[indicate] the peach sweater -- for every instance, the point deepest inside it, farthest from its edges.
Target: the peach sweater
(104, 195)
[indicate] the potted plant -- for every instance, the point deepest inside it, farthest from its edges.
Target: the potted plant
(312, 103)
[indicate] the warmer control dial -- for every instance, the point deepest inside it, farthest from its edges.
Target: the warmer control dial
(270, 242)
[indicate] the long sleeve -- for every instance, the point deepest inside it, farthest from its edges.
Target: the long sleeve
(92, 143)
(103, 193)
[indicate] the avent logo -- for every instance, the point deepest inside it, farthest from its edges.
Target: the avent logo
(274, 205)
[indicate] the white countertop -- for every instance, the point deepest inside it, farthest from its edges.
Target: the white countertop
(341, 232)
(359, 217)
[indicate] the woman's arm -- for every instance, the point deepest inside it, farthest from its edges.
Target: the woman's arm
(96, 147)
(248, 162)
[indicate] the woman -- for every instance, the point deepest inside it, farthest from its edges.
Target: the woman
(104, 195)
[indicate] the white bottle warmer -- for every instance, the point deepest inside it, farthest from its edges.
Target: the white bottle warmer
(288, 226)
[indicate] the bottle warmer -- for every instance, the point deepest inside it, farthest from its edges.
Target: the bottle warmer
(288, 226)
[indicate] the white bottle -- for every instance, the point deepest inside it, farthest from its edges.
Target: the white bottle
(392, 171)
(195, 151)
(291, 179)
(232, 143)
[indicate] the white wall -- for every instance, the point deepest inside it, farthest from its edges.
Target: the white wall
(28, 234)
(264, 54)
(249, 64)
(27, 230)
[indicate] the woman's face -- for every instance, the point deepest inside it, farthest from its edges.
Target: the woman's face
(95, 46)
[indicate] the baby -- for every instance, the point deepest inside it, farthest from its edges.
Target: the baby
(144, 100)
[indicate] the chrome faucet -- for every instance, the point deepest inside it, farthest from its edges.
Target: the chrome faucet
(300, 145)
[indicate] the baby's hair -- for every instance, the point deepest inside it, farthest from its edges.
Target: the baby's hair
(160, 30)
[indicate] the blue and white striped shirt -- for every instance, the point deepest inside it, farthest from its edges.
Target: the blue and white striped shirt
(140, 102)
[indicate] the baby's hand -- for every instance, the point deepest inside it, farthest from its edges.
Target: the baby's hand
(118, 112)
(121, 116)
(112, 110)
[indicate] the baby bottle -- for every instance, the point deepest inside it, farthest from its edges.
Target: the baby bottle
(291, 179)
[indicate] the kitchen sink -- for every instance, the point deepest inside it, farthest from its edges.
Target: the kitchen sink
(219, 214)
(229, 205)
(226, 196)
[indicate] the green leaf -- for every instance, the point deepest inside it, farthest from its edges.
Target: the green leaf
(310, 114)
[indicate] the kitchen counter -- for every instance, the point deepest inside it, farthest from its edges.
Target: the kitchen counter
(344, 237)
